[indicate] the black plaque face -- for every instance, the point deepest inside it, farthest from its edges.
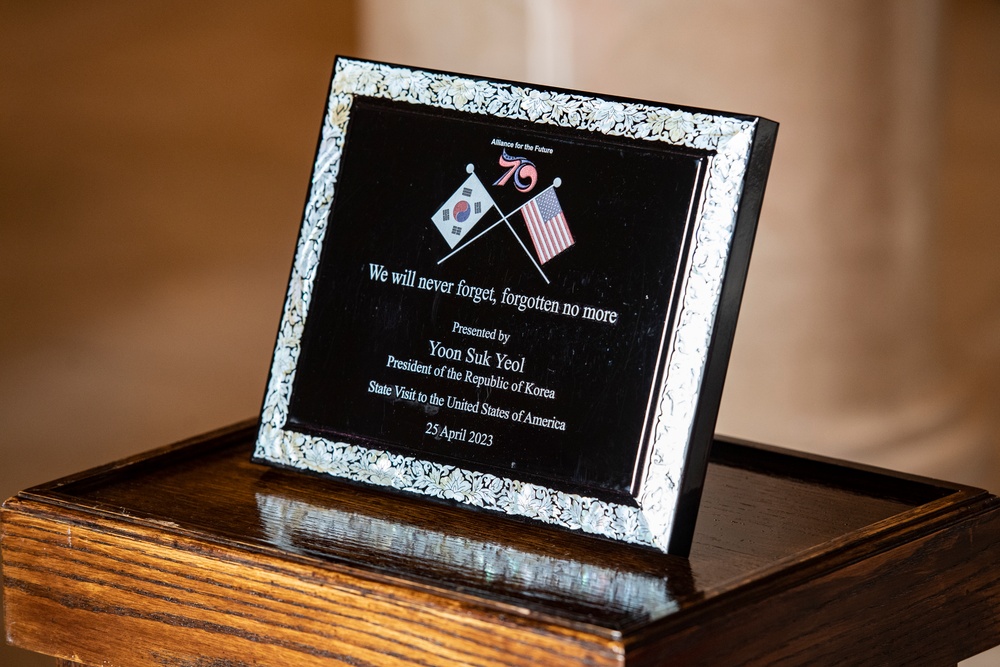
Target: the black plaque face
(491, 307)
(453, 361)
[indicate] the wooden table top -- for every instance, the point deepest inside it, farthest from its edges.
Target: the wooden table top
(192, 553)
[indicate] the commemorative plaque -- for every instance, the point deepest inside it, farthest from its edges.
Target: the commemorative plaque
(516, 298)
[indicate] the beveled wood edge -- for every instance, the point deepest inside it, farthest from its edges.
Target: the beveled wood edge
(888, 533)
(798, 569)
(510, 624)
(961, 501)
(958, 620)
(49, 501)
(172, 535)
(831, 462)
(211, 440)
(790, 571)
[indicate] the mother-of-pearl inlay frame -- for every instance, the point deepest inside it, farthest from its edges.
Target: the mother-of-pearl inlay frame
(655, 518)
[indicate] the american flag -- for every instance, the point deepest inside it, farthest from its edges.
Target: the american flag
(547, 225)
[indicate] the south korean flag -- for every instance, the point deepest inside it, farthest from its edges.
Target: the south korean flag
(462, 211)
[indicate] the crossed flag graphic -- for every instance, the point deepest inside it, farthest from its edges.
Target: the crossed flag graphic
(543, 215)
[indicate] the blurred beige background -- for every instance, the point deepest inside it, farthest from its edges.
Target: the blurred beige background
(154, 159)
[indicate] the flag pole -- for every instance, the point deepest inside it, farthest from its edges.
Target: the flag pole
(474, 238)
(503, 219)
(521, 243)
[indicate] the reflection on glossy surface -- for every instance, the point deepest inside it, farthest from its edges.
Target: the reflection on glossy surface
(760, 509)
(298, 526)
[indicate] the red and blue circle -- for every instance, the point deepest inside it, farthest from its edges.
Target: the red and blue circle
(461, 211)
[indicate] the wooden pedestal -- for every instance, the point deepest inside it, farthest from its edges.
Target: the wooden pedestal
(193, 556)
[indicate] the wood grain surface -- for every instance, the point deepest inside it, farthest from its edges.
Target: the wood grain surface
(192, 556)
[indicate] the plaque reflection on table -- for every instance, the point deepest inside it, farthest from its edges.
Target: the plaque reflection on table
(640, 588)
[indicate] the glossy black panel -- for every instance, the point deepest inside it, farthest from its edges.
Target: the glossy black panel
(386, 317)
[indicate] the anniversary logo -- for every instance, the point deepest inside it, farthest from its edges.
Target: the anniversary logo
(485, 307)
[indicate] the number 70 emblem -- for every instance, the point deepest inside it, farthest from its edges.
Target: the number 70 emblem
(523, 170)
